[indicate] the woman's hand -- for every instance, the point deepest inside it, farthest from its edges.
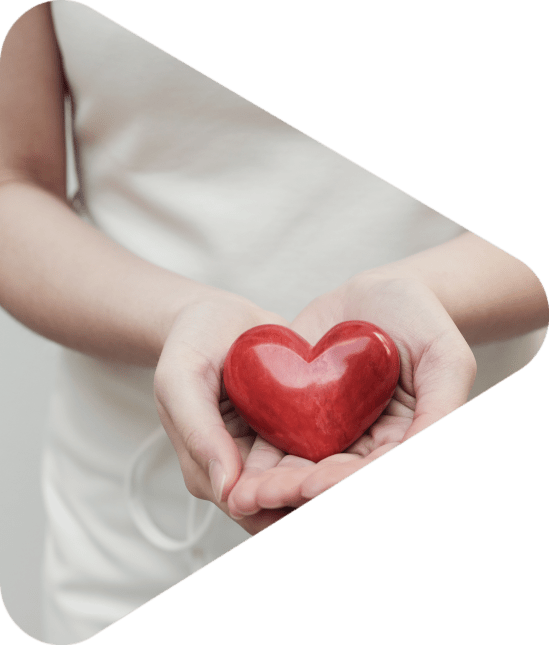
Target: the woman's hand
(437, 373)
(212, 442)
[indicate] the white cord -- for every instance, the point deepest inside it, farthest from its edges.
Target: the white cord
(140, 515)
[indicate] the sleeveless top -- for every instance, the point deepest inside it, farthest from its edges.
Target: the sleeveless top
(191, 177)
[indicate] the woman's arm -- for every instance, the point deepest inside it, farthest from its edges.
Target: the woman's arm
(489, 294)
(60, 276)
(430, 304)
(66, 280)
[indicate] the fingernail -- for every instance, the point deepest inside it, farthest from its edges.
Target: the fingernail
(217, 478)
(236, 516)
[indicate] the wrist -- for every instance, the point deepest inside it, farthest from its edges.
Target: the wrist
(368, 283)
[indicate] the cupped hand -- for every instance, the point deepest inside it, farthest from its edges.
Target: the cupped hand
(211, 441)
(437, 373)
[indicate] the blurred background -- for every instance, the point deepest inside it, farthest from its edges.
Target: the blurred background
(26, 368)
(27, 364)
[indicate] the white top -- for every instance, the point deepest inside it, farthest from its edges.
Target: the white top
(194, 178)
(191, 177)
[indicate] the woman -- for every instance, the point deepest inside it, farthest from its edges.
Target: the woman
(197, 217)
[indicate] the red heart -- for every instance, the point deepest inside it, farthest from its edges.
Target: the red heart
(312, 401)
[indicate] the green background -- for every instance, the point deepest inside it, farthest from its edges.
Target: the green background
(444, 540)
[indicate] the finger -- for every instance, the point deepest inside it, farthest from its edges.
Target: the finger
(253, 523)
(262, 457)
(389, 429)
(333, 472)
(234, 423)
(274, 489)
(442, 382)
(281, 487)
(265, 464)
(187, 403)
(278, 487)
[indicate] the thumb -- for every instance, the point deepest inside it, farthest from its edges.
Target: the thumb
(188, 406)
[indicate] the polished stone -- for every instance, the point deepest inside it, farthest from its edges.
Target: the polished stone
(312, 401)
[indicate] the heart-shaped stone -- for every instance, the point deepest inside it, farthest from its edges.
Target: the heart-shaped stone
(312, 401)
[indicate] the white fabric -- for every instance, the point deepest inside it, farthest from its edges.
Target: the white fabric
(195, 179)
(138, 511)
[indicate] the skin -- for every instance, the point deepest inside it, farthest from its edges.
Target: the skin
(67, 281)
(437, 373)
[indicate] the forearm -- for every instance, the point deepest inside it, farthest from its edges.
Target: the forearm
(67, 281)
(489, 294)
